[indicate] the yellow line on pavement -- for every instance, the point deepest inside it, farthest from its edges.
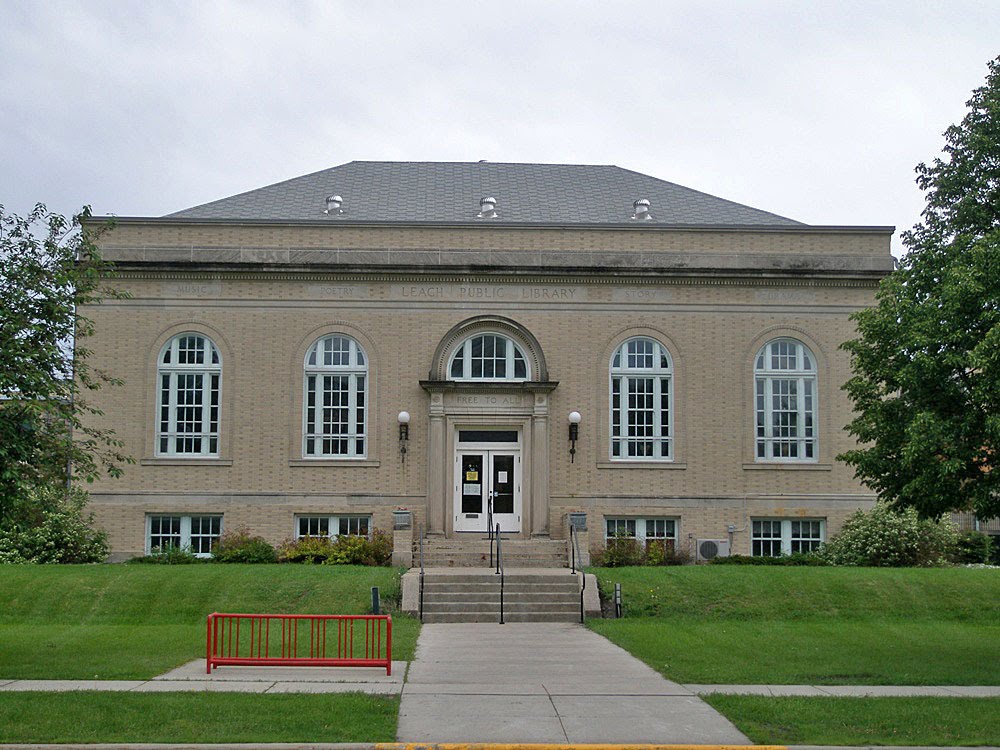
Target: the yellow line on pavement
(558, 746)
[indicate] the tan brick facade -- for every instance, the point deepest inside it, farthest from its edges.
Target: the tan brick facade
(264, 294)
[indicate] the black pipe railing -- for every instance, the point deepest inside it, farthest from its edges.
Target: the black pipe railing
(421, 572)
(500, 570)
(574, 544)
(489, 525)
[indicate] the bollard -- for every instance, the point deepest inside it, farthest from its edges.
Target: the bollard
(375, 601)
(618, 600)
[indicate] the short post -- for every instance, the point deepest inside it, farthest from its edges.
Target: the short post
(375, 601)
(618, 600)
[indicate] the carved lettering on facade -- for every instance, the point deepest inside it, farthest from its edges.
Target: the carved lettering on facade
(193, 289)
(485, 292)
(335, 291)
(488, 399)
(785, 296)
(640, 294)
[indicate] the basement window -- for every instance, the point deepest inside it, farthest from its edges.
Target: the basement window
(774, 537)
(643, 529)
(332, 526)
(194, 533)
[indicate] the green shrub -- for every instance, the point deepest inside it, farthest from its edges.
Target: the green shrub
(659, 552)
(310, 550)
(168, 556)
(620, 551)
(359, 550)
(342, 550)
(240, 547)
(797, 558)
(974, 547)
(886, 537)
(58, 532)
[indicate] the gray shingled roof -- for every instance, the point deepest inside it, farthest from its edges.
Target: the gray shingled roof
(449, 192)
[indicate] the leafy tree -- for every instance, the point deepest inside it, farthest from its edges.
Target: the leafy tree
(926, 362)
(49, 268)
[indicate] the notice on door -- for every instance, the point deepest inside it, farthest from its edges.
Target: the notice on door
(501, 476)
(472, 476)
(470, 489)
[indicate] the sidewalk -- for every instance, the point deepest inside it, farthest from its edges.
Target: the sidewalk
(545, 683)
(192, 677)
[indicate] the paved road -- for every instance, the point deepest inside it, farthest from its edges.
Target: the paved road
(542, 682)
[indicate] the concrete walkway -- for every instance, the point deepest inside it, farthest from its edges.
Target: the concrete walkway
(853, 691)
(552, 683)
(192, 677)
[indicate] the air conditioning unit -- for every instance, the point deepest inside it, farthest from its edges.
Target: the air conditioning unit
(709, 549)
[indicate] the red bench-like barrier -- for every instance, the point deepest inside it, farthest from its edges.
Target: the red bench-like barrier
(298, 640)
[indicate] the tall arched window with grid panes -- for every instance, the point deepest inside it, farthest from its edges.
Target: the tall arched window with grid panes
(785, 402)
(488, 356)
(641, 401)
(189, 374)
(335, 399)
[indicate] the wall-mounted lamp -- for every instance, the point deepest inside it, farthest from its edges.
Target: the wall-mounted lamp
(404, 433)
(574, 433)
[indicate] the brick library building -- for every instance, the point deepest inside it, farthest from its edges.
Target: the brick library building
(443, 347)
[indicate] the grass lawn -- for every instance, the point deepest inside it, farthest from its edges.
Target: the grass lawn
(826, 626)
(137, 621)
(863, 721)
(88, 717)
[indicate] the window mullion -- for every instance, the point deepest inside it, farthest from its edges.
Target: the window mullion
(352, 414)
(172, 414)
(206, 411)
(786, 537)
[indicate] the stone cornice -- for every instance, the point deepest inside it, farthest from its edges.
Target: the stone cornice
(588, 277)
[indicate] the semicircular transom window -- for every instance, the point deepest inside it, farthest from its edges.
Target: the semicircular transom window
(785, 401)
(188, 374)
(336, 399)
(489, 356)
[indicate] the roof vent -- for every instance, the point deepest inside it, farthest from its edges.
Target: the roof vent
(641, 207)
(333, 203)
(488, 209)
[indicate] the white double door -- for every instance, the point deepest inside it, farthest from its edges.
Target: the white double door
(487, 487)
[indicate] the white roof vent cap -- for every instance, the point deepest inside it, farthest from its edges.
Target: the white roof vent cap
(333, 203)
(641, 211)
(488, 209)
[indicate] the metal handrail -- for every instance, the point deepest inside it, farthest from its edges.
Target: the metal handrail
(575, 555)
(421, 572)
(500, 570)
(489, 525)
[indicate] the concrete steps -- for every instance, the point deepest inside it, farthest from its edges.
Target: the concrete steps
(474, 596)
(475, 553)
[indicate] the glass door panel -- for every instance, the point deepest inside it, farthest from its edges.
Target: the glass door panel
(472, 484)
(502, 481)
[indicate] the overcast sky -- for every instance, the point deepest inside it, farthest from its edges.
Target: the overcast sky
(816, 111)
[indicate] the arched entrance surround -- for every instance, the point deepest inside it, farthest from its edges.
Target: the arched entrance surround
(464, 407)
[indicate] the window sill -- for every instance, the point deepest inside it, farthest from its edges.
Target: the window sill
(181, 461)
(361, 462)
(641, 465)
(787, 466)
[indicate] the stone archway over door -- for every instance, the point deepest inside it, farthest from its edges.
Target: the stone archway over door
(522, 407)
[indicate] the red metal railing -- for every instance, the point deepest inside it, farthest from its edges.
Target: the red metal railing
(298, 640)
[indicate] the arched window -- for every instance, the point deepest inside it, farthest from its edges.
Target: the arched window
(641, 401)
(488, 356)
(785, 388)
(188, 374)
(336, 399)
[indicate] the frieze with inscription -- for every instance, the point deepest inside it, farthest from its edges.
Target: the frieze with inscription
(193, 289)
(491, 401)
(487, 292)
